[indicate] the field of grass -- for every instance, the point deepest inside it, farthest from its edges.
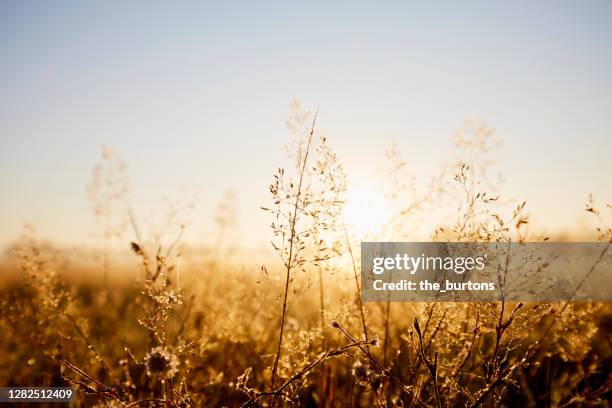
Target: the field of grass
(171, 325)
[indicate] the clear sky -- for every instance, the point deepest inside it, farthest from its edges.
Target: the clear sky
(194, 94)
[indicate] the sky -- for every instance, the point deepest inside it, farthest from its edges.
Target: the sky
(194, 96)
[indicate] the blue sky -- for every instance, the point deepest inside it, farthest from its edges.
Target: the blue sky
(195, 95)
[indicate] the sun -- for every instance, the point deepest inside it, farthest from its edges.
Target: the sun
(366, 211)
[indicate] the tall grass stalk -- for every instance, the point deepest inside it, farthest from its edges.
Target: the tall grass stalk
(356, 276)
(292, 238)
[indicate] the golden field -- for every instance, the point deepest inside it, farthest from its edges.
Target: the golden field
(163, 323)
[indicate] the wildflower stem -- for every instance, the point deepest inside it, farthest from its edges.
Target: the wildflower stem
(305, 370)
(356, 275)
(384, 371)
(289, 264)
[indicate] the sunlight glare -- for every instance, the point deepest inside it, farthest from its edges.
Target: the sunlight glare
(366, 211)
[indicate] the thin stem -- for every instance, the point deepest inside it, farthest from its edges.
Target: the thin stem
(356, 275)
(322, 306)
(293, 221)
(305, 370)
(383, 370)
(386, 340)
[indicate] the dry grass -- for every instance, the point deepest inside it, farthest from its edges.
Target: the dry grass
(203, 333)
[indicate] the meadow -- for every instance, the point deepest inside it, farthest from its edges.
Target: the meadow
(173, 325)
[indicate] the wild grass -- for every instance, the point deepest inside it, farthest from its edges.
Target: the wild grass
(186, 329)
